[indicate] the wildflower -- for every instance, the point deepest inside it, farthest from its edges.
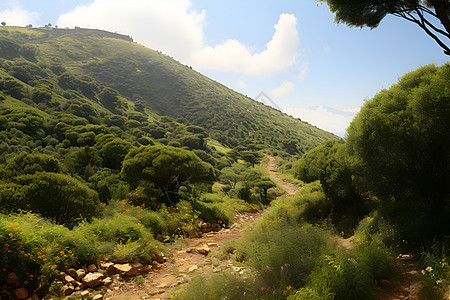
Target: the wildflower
(429, 269)
(11, 235)
(53, 267)
(20, 244)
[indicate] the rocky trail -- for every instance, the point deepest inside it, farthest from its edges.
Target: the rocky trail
(192, 255)
(197, 254)
(290, 188)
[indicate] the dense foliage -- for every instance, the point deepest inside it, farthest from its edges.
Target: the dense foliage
(432, 16)
(400, 142)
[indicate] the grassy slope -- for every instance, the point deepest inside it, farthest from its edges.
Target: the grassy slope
(172, 89)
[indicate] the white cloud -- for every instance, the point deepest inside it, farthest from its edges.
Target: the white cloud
(170, 26)
(353, 110)
(232, 55)
(328, 119)
(304, 68)
(17, 16)
(174, 28)
(282, 90)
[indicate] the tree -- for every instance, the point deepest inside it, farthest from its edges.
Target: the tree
(264, 184)
(400, 143)
(3, 24)
(59, 197)
(114, 152)
(424, 13)
(252, 157)
(167, 168)
(329, 164)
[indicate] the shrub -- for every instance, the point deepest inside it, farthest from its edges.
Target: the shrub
(226, 285)
(122, 236)
(283, 254)
(436, 271)
(337, 277)
(31, 244)
(59, 197)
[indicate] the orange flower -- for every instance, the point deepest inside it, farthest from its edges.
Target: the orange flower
(11, 235)
(54, 267)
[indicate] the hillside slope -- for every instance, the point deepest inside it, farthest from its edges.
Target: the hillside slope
(160, 84)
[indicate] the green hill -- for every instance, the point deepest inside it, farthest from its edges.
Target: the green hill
(78, 66)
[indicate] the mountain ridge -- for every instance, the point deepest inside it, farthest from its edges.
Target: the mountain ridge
(165, 87)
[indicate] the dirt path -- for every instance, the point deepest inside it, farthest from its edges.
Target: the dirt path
(182, 263)
(289, 188)
(405, 284)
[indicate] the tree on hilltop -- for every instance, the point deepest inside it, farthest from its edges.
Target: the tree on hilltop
(424, 13)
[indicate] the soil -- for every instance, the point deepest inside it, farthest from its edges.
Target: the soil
(290, 188)
(185, 260)
(182, 263)
(405, 284)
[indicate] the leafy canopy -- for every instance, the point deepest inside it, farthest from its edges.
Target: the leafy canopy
(433, 16)
(400, 144)
(168, 168)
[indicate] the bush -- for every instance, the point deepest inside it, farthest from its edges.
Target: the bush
(33, 245)
(436, 271)
(226, 285)
(59, 197)
(283, 254)
(337, 277)
(122, 236)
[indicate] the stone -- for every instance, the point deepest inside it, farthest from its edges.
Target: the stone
(203, 249)
(105, 265)
(33, 297)
(72, 272)
(92, 268)
(12, 280)
(111, 270)
(385, 283)
(93, 279)
(193, 234)
(136, 268)
(123, 268)
(68, 279)
(107, 281)
(21, 293)
(80, 274)
(84, 294)
(161, 258)
(68, 289)
(155, 265)
(147, 268)
(192, 269)
(97, 297)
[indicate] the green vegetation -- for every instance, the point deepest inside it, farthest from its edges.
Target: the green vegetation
(425, 14)
(109, 149)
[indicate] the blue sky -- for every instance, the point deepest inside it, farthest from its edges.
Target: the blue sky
(292, 50)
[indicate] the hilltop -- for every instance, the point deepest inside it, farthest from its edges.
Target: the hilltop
(64, 60)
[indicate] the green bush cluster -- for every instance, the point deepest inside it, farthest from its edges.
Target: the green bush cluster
(283, 254)
(35, 249)
(226, 285)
